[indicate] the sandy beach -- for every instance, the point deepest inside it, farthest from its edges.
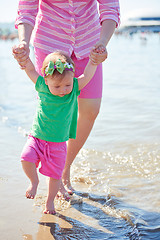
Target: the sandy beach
(79, 218)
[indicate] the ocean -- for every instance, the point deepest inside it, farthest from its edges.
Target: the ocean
(116, 174)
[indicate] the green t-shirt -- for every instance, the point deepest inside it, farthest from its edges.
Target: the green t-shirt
(56, 117)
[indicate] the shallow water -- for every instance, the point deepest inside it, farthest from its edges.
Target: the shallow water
(117, 172)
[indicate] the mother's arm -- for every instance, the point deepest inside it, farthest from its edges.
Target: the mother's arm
(109, 17)
(21, 52)
(25, 22)
(107, 30)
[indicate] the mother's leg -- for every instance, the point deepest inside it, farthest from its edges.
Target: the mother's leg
(88, 111)
(89, 106)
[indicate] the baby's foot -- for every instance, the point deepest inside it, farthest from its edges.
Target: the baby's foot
(49, 208)
(53, 212)
(31, 191)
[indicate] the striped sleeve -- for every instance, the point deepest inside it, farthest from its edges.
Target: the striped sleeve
(109, 9)
(27, 12)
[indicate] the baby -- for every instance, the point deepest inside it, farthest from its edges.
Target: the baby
(55, 120)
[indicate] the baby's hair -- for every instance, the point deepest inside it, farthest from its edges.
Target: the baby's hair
(54, 57)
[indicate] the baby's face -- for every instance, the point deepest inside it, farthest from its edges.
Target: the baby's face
(60, 87)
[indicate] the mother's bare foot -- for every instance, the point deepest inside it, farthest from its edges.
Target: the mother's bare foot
(63, 193)
(66, 182)
(31, 191)
(69, 189)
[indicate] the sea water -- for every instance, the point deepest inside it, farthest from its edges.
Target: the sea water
(118, 170)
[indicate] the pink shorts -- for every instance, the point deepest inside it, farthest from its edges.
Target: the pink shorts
(51, 155)
(93, 89)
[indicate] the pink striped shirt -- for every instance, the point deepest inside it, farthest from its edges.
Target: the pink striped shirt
(68, 25)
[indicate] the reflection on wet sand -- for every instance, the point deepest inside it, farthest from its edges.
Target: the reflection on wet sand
(84, 216)
(88, 220)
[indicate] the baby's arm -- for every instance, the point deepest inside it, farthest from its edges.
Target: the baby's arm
(89, 72)
(31, 72)
(29, 69)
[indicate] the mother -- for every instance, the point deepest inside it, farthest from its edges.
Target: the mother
(76, 28)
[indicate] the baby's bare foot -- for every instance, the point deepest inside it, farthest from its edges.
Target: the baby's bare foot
(53, 212)
(49, 208)
(31, 191)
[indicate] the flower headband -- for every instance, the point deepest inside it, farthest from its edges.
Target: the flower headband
(59, 66)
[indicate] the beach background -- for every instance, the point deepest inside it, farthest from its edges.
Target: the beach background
(116, 174)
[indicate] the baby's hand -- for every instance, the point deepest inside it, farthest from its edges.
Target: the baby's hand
(99, 49)
(15, 52)
(98, 54)
(21, 54)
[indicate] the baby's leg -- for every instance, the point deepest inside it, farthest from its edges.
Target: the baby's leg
(53, 188)
(31, 172)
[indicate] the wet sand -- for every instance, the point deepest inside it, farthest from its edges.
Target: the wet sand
(23, 218)
(86, 216)
(80, 218)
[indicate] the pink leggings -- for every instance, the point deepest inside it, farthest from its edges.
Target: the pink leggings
(93, 89)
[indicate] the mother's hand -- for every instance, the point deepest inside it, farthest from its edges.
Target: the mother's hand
(21, 53)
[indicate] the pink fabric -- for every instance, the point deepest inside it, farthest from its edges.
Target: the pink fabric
(93, 89)
(68, 25)
(51, 155)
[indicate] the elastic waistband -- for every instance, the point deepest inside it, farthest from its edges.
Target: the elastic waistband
(48, 142)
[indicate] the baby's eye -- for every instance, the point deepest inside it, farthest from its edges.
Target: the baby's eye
(56, 86)
(68, 85)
